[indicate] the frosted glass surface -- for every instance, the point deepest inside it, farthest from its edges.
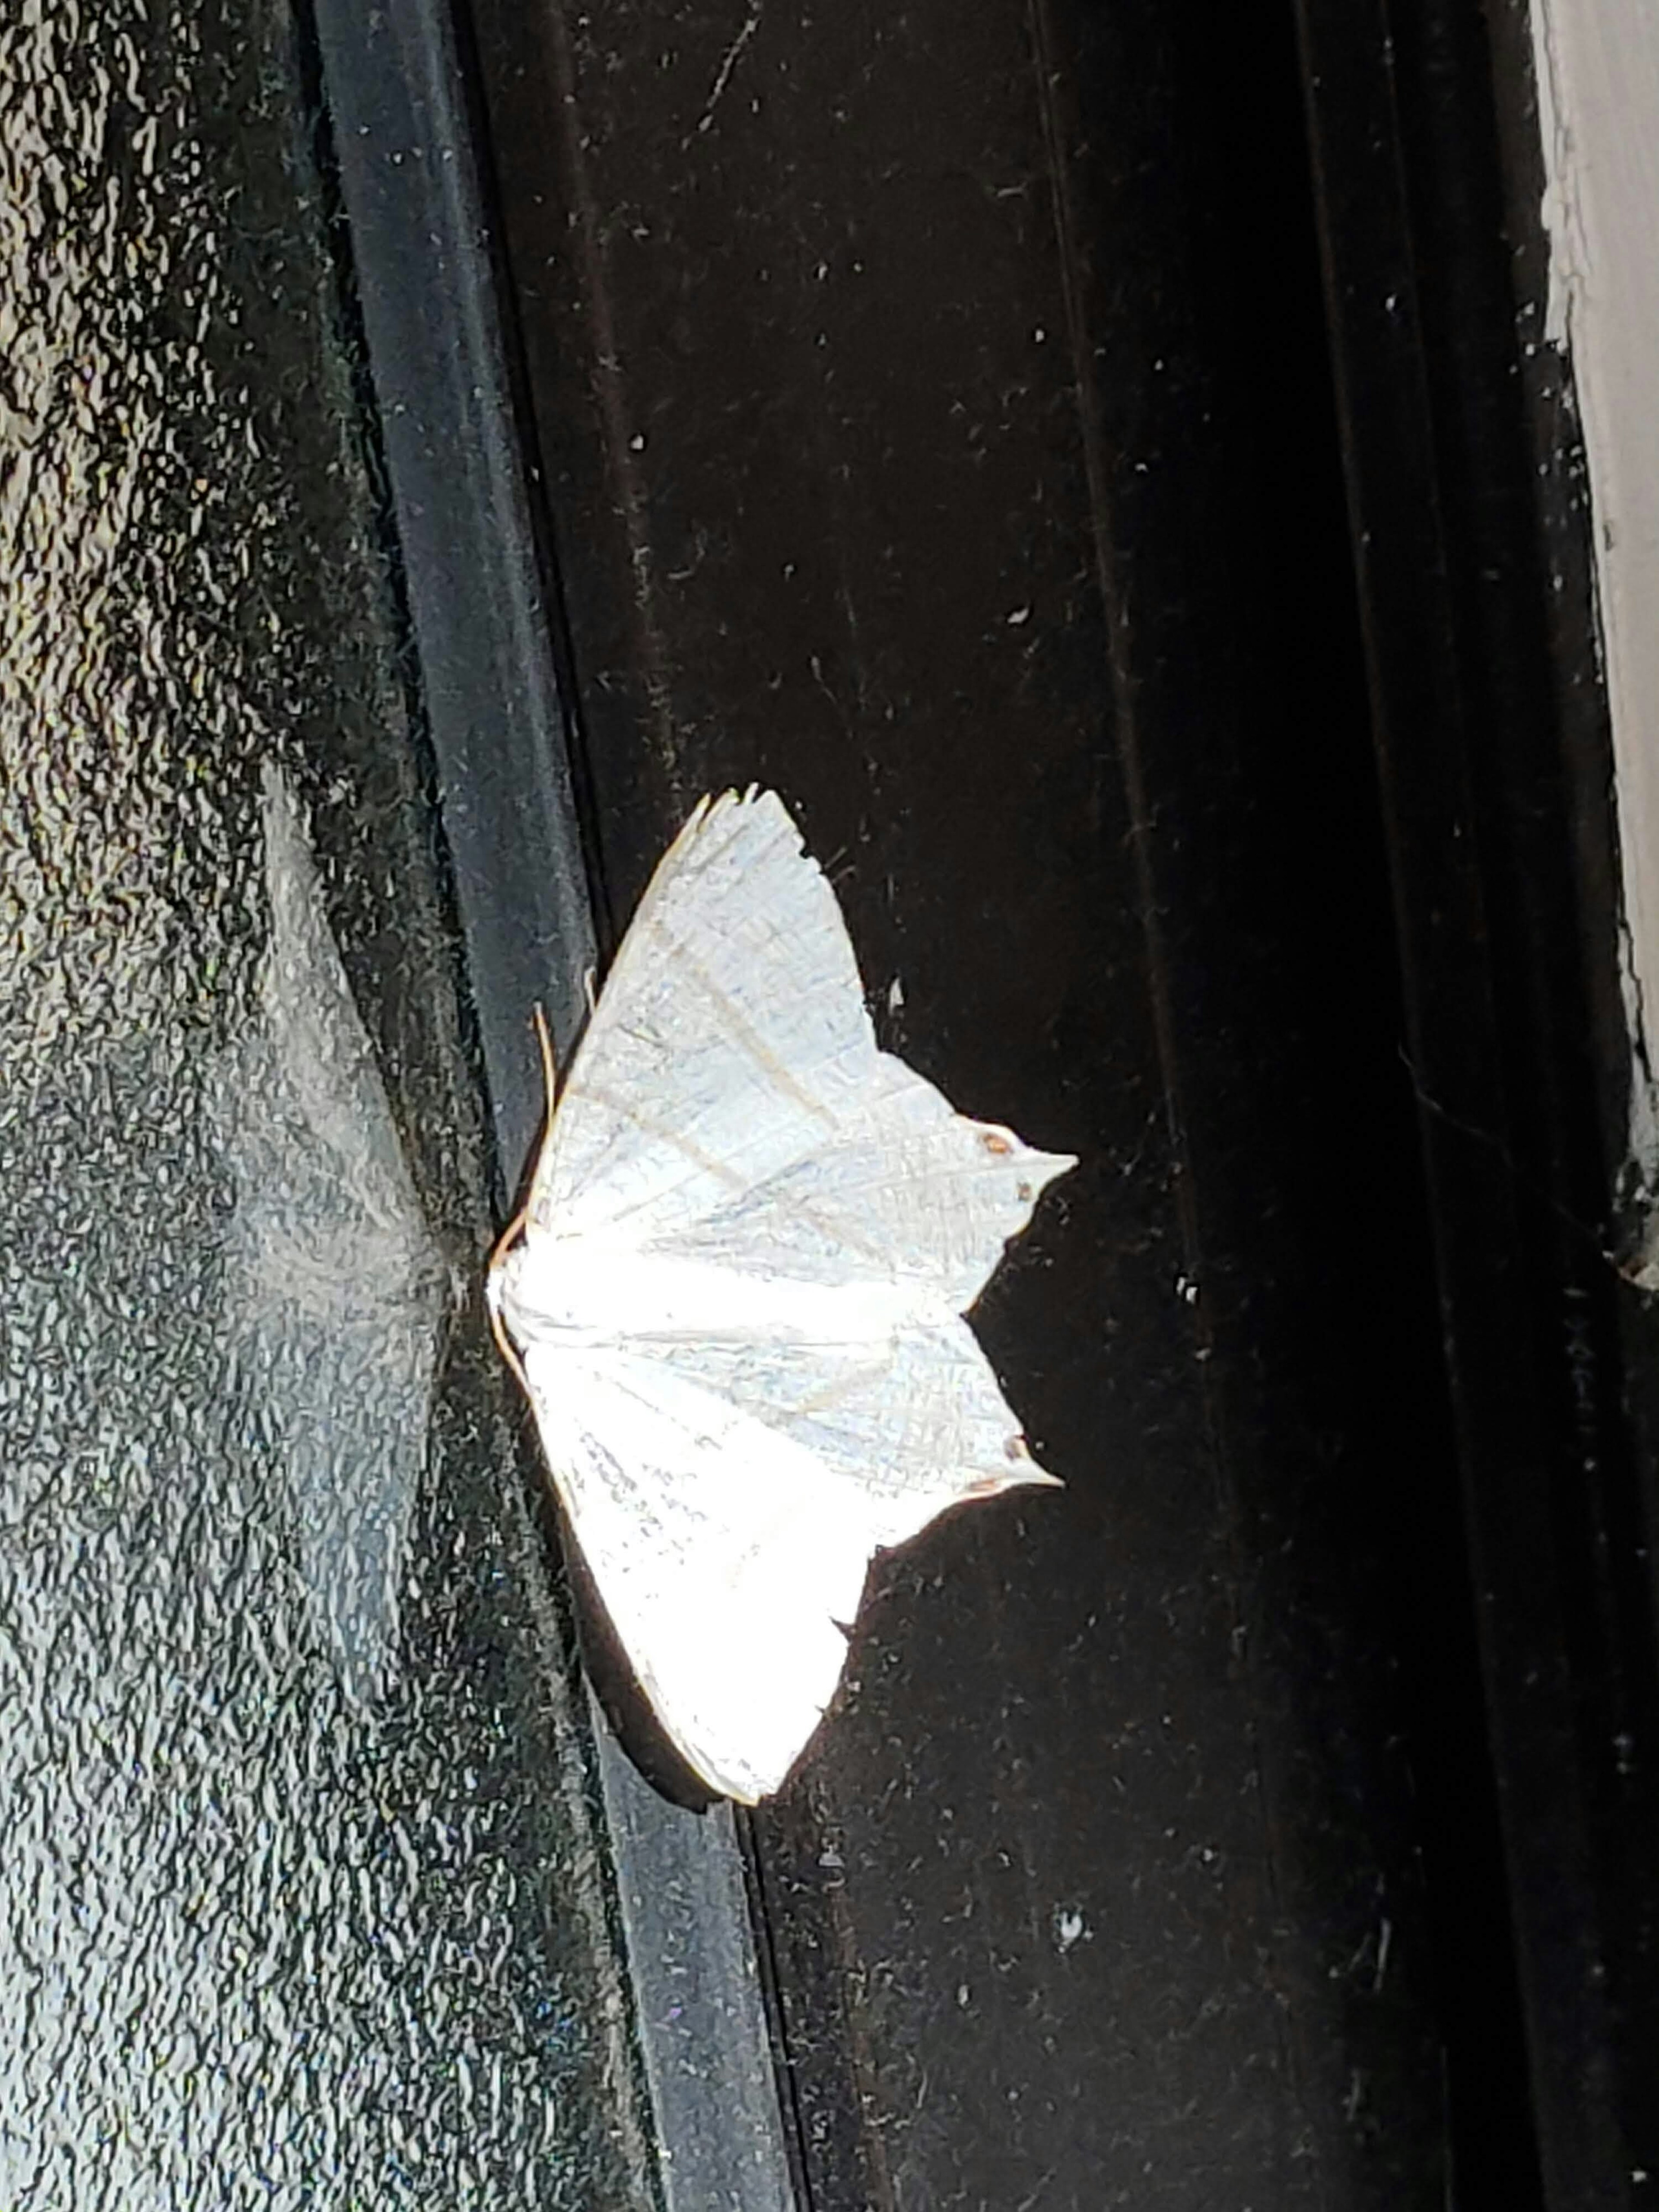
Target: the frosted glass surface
(303, 1900)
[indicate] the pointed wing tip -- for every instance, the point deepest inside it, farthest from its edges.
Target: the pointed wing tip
(753, 796)
(754, 1788)
(751, 1789)
(1030, 1475)
(753, 1774)
(755, 812)
(1024, 1474)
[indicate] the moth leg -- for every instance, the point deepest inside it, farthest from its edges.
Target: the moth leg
(544, 1039)
(504, 1243)
(505, 1346)
(508, 1237)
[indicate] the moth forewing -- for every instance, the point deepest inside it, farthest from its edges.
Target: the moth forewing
(734, 1295)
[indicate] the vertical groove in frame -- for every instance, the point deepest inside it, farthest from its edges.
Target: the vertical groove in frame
(607, 925)
(442, 729)
(589, 230)
(843, 2160)
(1465, 528)
(1488, 2124)
(766, 1960)
(1115, 612)
(454, 472)
(471, 556)
(1112, 602)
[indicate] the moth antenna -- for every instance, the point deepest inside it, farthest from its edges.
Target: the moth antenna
(544, 1039)
(590, 978)
(550, 1084)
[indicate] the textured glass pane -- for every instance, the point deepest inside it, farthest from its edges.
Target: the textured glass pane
(304, 1901)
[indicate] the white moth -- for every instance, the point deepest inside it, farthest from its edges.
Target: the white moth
(736, 1293)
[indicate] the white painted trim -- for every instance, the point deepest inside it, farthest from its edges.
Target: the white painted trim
(1597, 67)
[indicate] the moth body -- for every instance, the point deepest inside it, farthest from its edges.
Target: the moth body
(569, 1293)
